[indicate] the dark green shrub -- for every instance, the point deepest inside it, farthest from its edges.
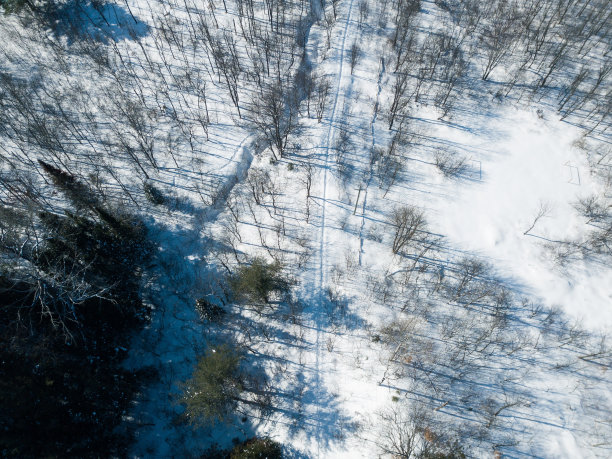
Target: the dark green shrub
(256, 282)
(252, 448)
(153, 194)
(58, 403)
(15, 6)
(215, 452)
(59, 400)
(79, 194)
(108, 258)
(257, 448)
(211, 393)
(209, 311)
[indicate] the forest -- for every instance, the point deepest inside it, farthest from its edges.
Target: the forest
(299, 229)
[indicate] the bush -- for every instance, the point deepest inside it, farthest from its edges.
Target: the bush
(257, 448)
(256, 282)
(444, 450)
(405, 433)
(252, 448)
(211, 393)
(153, 194)
(209, 311)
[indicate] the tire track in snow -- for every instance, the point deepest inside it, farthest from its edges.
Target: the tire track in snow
(322, 272)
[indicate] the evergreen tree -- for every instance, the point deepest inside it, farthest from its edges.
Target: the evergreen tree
(211, 393)
(256, 282)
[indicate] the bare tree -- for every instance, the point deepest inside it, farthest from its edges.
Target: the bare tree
(558, 51)
(409, 431)
(258, 181)
(364, 11)
(329, 19)
(307, 181)
(405, 11)
(275, 114)
(543, 210)
(499, 37)
(403, 427)
(407, 222)
(399, 96)
(451, 164)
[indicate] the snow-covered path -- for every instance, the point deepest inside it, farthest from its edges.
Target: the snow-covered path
(321, 273)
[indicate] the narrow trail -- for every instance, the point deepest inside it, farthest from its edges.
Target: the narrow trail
(321, 274)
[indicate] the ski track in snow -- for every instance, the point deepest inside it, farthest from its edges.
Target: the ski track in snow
(322, 272)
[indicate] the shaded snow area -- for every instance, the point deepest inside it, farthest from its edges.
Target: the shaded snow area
(443, 236)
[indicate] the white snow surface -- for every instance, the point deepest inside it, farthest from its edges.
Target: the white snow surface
(329, 375)
(330, 378)
(525, 162)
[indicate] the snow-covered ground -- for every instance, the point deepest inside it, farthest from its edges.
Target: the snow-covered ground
(516, 162)
(526, 163)
(511, 363)
(338, 381)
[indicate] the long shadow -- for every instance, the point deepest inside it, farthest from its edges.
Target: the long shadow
(304, 407)
(324, 422)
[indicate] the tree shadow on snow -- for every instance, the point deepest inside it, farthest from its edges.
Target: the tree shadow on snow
(98, 20)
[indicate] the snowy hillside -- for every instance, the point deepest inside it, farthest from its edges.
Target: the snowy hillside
(373, 228)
